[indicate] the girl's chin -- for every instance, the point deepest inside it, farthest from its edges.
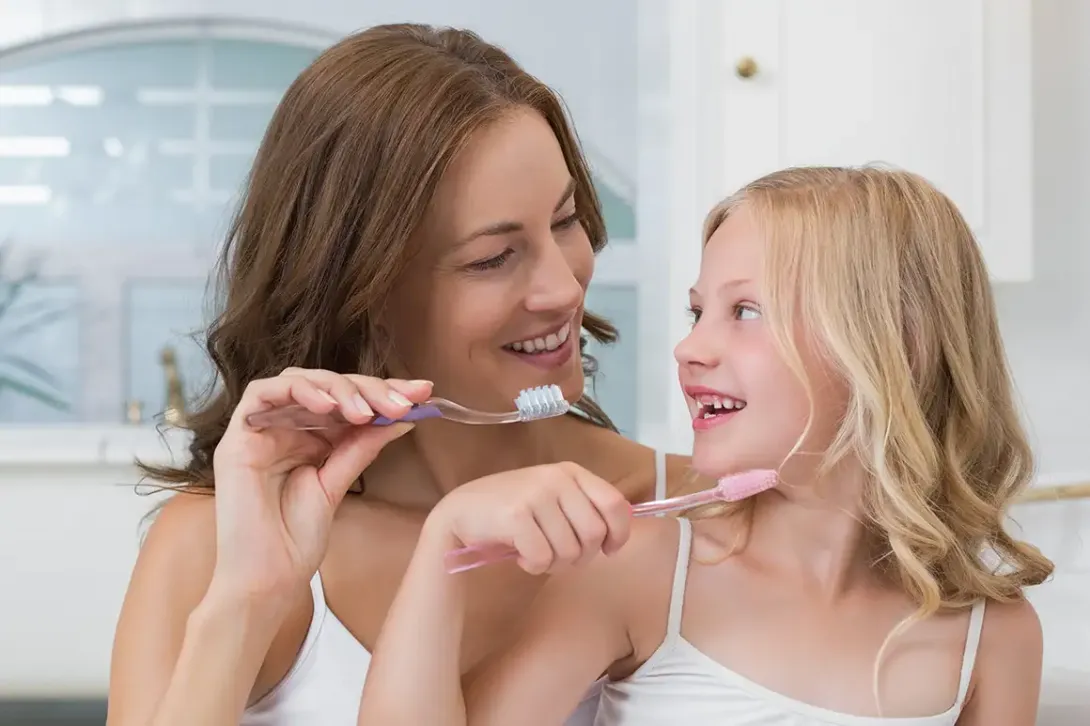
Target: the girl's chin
(710, 466)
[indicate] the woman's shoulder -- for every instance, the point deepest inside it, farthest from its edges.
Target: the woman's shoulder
(631, 466)
(640, 568)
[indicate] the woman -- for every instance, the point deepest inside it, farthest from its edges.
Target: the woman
(419, 209)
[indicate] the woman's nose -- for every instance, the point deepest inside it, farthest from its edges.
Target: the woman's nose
(554, 284)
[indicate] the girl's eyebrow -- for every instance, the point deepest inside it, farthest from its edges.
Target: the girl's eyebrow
(726, 286)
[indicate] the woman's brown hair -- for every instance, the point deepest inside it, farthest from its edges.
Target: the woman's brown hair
(343, 178)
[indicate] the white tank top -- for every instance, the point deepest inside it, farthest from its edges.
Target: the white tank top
(679, 684)
(325, 683)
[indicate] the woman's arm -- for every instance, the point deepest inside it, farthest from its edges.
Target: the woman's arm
(552, 515)
(415, 672)
(186, 651)
(573, 633)
(1007, 684)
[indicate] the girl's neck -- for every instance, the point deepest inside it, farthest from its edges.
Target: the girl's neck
(813, 529)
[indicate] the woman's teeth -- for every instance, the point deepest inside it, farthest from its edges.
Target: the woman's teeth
(552, 341)
(716, 406)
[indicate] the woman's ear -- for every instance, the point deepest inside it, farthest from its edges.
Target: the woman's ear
(387, 362)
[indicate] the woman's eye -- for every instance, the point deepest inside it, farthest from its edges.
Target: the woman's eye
(491, 263)
(694, 314)
(568, 222)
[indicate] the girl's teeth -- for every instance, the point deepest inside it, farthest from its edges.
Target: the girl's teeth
(715, 406)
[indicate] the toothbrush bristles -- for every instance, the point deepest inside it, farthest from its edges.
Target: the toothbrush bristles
(541, 402)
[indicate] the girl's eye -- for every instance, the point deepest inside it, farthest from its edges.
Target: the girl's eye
(746, 312)
(492, 263)
(694, 314)
(568, 222)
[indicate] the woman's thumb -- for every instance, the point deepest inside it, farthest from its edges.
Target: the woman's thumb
(354, 453)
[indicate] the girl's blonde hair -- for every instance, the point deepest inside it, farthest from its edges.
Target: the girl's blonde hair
(884, 273)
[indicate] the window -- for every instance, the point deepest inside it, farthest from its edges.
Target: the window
(121, 156)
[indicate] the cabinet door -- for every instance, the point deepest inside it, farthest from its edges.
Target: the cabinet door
(936, 87)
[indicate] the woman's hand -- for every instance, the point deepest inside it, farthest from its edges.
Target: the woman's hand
(553, 515)
(277, 489)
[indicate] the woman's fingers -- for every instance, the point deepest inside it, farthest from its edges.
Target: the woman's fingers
(359, 398)
(614, 510)
(353, 454)
(587, 523)
(283, 391)
(559, 531)
(535, 552)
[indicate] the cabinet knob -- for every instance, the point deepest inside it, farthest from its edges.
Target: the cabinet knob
(746, 68)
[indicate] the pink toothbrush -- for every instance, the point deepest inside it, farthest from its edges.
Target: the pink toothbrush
(729, 489)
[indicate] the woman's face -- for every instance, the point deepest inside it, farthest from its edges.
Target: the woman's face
(494, 304)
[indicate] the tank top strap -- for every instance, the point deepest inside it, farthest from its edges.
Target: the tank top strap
(681, 574)
(660, 474)
(972, 644)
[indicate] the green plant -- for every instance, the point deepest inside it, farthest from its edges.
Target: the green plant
(19, 374)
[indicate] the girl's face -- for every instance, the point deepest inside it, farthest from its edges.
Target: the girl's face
(748, 407)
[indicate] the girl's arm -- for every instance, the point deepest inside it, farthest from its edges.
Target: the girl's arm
(1007, 675)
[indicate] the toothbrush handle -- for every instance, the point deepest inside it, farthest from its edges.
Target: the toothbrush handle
(416, 413)
(474, 556)
(298, 417)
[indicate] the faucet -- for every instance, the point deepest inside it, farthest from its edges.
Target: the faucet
(174, 413)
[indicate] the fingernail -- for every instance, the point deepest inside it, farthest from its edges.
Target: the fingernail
(399, 399)
(326, 396)
(362, 405)
(420, 382)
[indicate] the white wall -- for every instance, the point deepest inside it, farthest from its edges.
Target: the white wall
(1046, 322)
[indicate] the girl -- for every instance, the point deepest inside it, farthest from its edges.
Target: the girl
(845, 334)
(420, 209)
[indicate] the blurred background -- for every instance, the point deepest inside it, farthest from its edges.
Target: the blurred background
(127, 128)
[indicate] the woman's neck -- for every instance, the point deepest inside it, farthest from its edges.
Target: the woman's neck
(417, 470)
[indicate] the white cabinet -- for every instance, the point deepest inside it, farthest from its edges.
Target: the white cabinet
(937, 87)
(940, 88)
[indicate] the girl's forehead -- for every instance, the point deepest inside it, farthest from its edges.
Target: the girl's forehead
(734, 251)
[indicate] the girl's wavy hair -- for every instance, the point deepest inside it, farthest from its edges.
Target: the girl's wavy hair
(343, 177)
(885, 272)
